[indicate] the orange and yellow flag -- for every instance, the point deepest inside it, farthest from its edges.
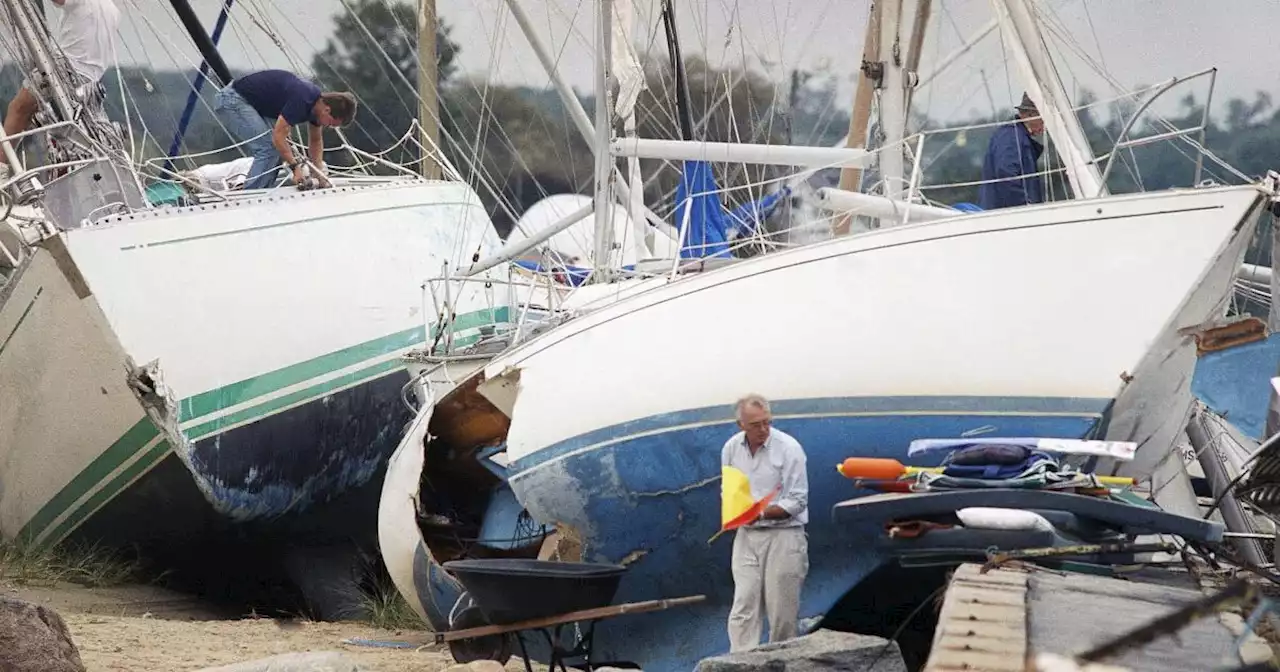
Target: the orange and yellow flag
(736, 506)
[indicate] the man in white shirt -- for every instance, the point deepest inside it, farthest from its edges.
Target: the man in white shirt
(770, 555)
(85, 36)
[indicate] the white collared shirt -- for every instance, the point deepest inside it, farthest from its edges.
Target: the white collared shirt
(780, 461)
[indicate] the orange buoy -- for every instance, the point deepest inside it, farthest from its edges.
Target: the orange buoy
(881, 468)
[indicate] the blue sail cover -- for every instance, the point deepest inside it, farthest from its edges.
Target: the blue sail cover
(707, 226)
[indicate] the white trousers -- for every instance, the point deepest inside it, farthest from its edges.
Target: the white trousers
(769, 568)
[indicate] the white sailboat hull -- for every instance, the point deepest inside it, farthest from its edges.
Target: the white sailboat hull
(263, 337)
(1020, 322)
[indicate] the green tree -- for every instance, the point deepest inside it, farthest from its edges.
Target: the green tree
(376, 70)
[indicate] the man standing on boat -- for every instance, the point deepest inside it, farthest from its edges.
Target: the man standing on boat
(261, 108)
(770, 555)
(1013, 153)
(84, 35)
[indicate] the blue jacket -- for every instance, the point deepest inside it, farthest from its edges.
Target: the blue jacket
(1011, 152)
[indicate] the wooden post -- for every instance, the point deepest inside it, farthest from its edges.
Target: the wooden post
(924, 9)
(428, 81)
(851, 178)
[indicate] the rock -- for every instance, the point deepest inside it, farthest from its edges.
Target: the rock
(35, 639)
(821, 651)
(315, 661)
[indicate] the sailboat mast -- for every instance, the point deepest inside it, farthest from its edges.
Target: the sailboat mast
(428, 83)
(604, 133)
(868, 80)
(1019, 27)
(677, 68)
(208, 50)
(919, 25)
(35, 42)
(893, 99)
(198, 83)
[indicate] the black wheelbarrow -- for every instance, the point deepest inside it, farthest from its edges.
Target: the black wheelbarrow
(515, 596)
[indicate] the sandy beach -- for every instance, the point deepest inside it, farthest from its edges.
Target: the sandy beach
(144, 628)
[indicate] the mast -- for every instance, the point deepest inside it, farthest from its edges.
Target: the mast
(893, 98)
(1022, 33)
(604, 132)
(208, 50)
(198, 84)
(868, 80)
(677, 68)
(428, 83)
(919, 24)
(577, 114)
(35, 42)
(631, 81)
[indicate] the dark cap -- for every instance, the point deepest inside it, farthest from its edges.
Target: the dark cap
(1027, 105)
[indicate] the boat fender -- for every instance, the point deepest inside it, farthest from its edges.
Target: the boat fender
(989, 518)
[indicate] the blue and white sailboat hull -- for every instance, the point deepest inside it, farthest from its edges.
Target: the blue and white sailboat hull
(1036, 321)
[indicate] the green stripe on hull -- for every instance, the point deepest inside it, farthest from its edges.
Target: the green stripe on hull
(235, 394)
(282, 402)
(108, 492)
(124, 448)
(144, 431)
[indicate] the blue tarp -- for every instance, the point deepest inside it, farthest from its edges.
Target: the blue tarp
(748, 216)
(707, 225)
(568, 275)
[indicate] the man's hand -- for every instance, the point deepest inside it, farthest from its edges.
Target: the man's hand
(774, 512)
(322, 180)
(297, 175)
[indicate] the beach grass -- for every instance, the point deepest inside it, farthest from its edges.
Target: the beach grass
(87, 565)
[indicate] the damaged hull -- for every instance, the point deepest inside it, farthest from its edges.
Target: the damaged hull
(903, 354)
(256, 342)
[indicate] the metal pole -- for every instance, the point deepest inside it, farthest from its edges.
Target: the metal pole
(516, 248)
(35, 42)
(893, 98)
(207, 47)
(196, 86)
(604, 131)
(677, 68)
(574, 106)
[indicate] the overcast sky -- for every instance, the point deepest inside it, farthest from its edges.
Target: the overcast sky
(1135, 41)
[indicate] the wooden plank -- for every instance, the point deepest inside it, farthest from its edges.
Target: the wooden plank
(571, 617)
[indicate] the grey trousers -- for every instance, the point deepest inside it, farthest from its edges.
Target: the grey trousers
(769, 567)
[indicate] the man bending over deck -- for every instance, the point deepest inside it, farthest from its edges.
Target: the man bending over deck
(84, 35)
(276, 101)
(1011, 154)
(770, 555)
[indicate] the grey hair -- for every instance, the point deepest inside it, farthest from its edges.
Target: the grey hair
(753, 400)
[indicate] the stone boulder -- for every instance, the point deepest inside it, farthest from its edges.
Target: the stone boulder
(316, 661)
(822, 651)
(35, 639)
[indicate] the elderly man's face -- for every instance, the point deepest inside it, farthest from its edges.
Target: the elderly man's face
(1034, 126)
(755, 423)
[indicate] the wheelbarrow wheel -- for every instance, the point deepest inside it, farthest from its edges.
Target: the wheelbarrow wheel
(489, 647)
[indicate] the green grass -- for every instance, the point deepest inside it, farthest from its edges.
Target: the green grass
(92, 566)
(385, 608)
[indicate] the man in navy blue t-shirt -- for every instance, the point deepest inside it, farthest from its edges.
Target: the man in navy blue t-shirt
(261, 108)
